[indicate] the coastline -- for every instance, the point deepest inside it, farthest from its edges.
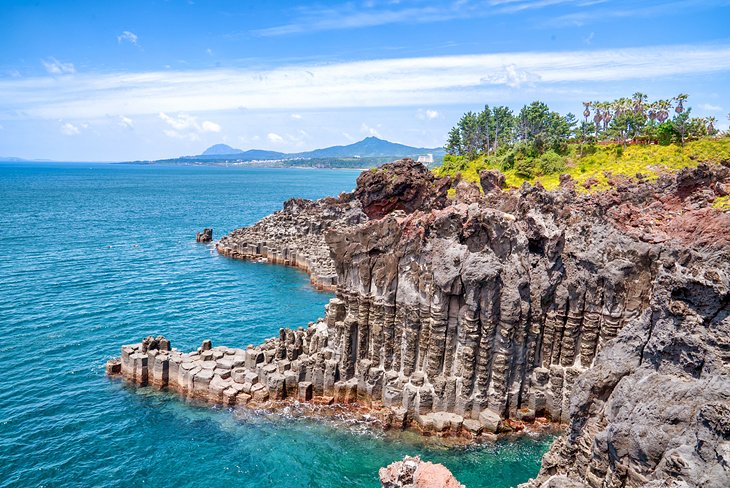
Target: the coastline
(475, 315)
(253, 379)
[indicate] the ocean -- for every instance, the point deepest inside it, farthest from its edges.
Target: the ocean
(93, 256)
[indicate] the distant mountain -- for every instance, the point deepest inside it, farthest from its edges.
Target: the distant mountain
(220, 149)
(367, 153)
(370, 147)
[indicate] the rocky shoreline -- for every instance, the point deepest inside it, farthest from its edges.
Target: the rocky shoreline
(469, 315)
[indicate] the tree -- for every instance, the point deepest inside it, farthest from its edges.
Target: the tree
(453, 144)
(711, 129)
(484, 127)
(628, 123)
(681, 123)
(503, 126)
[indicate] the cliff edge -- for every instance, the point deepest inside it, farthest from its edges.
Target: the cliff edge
(476, 312)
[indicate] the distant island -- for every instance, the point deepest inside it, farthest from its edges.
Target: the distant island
(367, 153)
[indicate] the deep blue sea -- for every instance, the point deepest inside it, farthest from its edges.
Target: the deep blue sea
(93, 256)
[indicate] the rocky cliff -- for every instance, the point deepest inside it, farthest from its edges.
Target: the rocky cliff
(608, 312)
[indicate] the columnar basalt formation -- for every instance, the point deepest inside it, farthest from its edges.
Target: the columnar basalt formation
(294, 236)
(466, 316)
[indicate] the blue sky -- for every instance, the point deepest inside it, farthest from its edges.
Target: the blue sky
(122, 80)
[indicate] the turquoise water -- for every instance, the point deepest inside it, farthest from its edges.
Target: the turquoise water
(94, 256)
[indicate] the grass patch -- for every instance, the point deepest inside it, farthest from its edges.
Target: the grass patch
(723, 203)
(598, 163)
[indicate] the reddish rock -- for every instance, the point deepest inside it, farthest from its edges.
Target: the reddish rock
(414, 473)
(402, 185)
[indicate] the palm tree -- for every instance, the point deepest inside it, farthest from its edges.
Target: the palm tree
(664, 106)
(711, 121)
(639, 100)
(680, 99)
(598, 117)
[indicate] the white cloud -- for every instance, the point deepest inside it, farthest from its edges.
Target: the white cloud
(275, 138)
(512, 76)
(126, 122)
(209, 126)
(185, 126)
(129, 37)
(69, 129)
(711, 108)
(371, 131)
(427, 114)
(353, 15)
(56, 67)
(185, 122)
(181, 122)
(373, 83)
(296, 116)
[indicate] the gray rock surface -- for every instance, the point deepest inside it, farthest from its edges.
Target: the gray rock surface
(294, 236)
(607, 312)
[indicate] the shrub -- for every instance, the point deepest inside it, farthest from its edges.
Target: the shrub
(665, 133)
(525, 167)
(550, 163)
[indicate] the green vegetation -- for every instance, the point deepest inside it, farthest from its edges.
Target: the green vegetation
(598, 163)
(723, 203)
(625, 137)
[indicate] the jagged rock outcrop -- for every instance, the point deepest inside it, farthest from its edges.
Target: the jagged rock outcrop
(205, 236)
(294, 236)
(655, 406)
(403, 185)
(414, 473)
(608, 312)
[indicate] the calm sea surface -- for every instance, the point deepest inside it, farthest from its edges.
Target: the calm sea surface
(94, 256)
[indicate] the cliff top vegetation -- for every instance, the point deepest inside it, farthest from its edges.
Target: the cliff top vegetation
(628, 137)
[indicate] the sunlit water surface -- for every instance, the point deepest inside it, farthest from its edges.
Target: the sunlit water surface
(93, 256)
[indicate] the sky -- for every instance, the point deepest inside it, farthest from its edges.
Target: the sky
(119, 80)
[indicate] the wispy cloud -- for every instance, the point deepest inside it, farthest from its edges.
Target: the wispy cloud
(427, 114)
(274, 137)
(353, 15)
(632, 10)
(370, 131)
(68, 129)
(511, 76)
(710, 108)
(56, 67)
(185, 126)
(129, 37)
(375, 83)
(126, 122)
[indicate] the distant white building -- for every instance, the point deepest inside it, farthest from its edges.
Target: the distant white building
(425, 158)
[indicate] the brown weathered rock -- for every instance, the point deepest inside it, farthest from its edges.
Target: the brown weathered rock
(414, 473)
(402, 185)
(205, 236)
(492, 180)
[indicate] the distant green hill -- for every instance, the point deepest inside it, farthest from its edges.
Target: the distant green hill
(371, 151)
